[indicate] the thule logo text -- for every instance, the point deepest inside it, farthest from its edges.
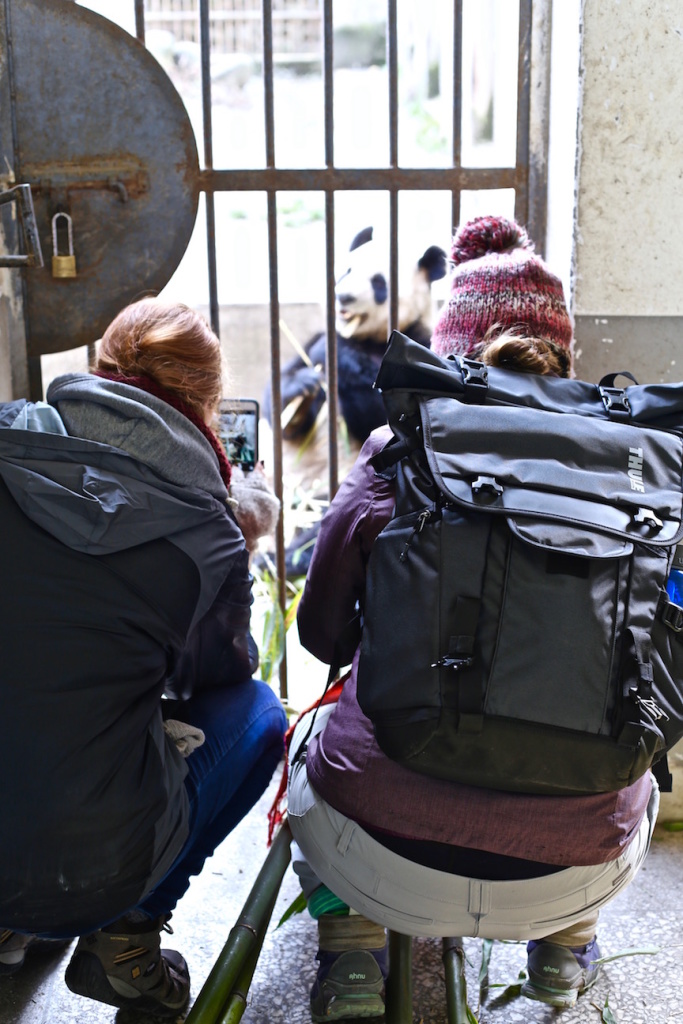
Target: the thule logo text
(635, 469)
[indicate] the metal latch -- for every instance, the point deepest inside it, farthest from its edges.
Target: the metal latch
(21, 195)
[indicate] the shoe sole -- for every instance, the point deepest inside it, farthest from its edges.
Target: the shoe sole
(561, 998)
(85, 976)
(350, 1008)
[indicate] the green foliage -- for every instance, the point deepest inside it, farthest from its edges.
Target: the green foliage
(297, 906)
(300, 210)
(429, 134)
(275, 623)
(646, 951)
(487, 949)
(607, 1015)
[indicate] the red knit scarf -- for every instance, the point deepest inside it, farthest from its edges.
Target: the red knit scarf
(149, 385)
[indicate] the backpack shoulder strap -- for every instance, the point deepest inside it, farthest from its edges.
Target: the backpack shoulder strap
(392, 453)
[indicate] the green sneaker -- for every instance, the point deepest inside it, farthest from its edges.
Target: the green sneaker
(124, 966)
(558, 975)
(349, 985)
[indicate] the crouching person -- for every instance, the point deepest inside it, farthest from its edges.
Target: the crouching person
(382, 846)
(138, 737)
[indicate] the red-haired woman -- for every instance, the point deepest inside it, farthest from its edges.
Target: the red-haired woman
(139, 737)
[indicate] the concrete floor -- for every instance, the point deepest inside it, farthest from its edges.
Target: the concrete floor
(640, 989)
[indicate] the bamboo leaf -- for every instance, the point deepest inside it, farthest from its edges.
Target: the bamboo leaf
(471, 1019)
(290, 617)
(646, 951)
(607, 1015)
(510, 991)
(297, 906)
(486, 950)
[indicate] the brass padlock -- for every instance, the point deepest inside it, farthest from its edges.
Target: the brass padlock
(63, 265)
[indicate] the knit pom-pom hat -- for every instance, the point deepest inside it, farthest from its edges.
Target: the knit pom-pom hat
(498, 280)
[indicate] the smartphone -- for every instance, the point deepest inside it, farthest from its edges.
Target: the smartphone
(238, 430)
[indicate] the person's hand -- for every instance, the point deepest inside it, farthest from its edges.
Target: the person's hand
(256, 509)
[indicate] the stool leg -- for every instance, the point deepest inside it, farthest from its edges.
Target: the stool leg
(399, 989)
(456, 983)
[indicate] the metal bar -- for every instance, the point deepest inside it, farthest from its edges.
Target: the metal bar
(539, 121)
(328, 81)
(392, 65)
(245, 935)
(15, 261)
(331, 350)
(523, 91)
(456, 983)
(267, 9)
(205, 46)
(275, 352)
(140, 20)
(276, 403)
(457, 105)
(32, 377)
(399, 988)
(33, 256)
(336, 179)
(9, 43)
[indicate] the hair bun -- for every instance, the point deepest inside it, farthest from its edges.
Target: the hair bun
(486, 235)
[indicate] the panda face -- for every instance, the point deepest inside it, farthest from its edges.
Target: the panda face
(362, 290)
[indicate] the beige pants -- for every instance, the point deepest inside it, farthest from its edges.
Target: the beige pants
(417, 900)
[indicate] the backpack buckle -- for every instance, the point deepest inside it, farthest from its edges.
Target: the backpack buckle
(646, 517)
(454, 662)
(672, 616)
(475, 378)
(487, 485)
(615, 401)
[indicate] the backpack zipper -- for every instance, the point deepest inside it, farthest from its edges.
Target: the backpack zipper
(422, 520)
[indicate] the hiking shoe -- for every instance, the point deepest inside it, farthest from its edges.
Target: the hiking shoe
(558, 975)
(124, 966)
(349, 985)
(13, 948)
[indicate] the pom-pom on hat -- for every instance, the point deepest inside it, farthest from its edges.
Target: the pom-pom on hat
(499, 281)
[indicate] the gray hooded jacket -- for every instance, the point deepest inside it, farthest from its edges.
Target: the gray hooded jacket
(125, 577)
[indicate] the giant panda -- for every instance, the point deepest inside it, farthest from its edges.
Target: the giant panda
(361, 322)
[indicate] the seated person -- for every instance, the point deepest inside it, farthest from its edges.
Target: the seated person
(428, 856)
(138, 736)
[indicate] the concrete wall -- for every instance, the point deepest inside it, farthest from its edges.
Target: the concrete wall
(628, 299)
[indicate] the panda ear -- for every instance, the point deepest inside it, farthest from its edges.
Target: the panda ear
(361, 238)
(434, 262)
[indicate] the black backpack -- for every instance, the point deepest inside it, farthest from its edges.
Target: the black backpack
(516, 629)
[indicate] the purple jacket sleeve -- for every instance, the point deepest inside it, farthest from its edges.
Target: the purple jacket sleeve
(335, 582)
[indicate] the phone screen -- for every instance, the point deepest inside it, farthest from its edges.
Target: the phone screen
(238, 430)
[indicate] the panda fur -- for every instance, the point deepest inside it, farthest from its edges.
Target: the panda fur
(362, 318)
(362, 326)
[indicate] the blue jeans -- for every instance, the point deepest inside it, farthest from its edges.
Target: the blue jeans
(244, 727)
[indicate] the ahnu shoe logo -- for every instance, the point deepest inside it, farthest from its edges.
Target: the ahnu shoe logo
(635, 469)
(356, 977)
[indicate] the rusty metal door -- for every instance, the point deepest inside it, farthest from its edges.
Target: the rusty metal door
(101, 136)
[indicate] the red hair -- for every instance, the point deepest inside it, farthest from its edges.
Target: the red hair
(170, 343)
